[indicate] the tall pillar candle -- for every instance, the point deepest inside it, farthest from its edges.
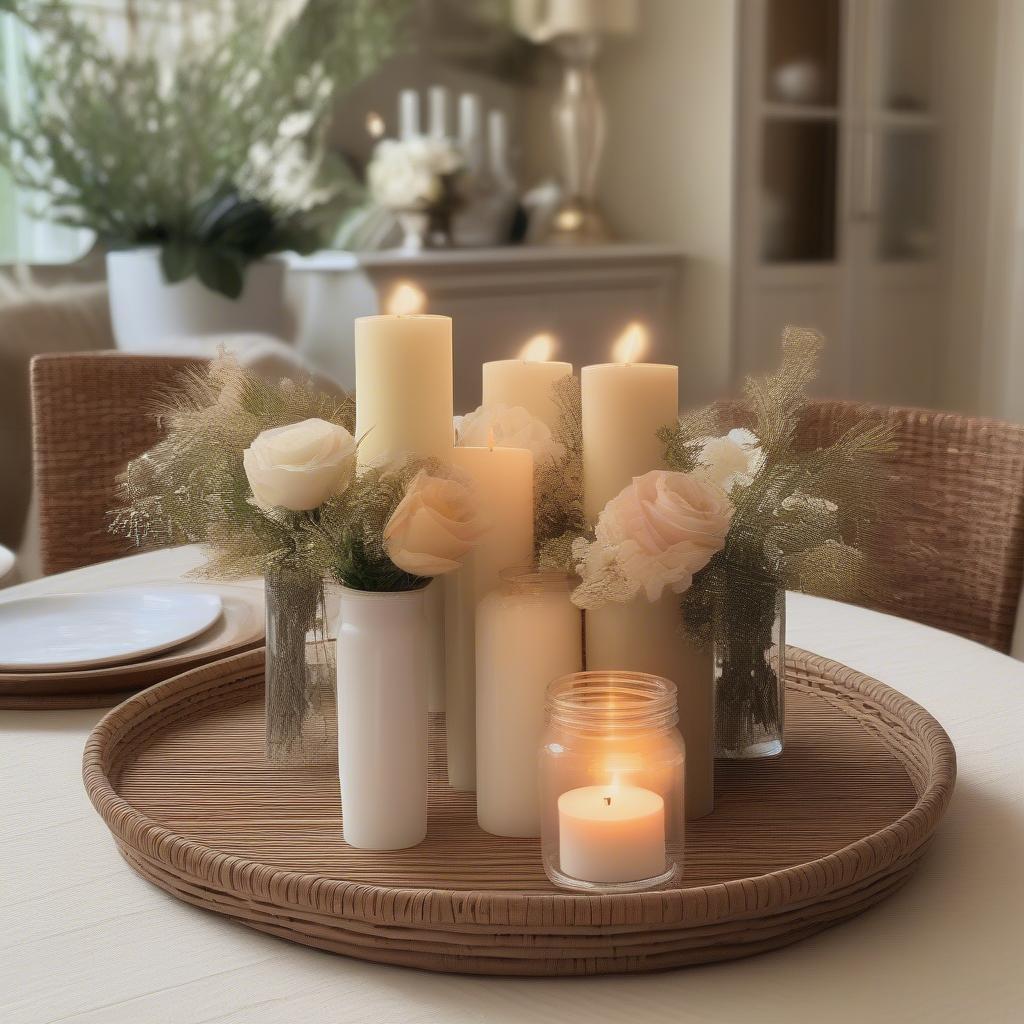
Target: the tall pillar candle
(647, 637)
(528, 632)
(404, 407)
(526, 383)
(503, 483)
(624, 406)
(404, 397)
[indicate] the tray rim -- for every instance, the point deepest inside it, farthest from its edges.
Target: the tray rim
(449, 909)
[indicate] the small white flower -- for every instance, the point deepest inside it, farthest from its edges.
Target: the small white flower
(798, 501)
(730, 461)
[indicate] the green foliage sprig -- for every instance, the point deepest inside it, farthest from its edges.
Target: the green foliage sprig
(192, 487)
(800, 519)
(207, 140)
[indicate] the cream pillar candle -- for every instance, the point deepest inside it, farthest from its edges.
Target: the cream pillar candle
(404, 404)
(624, 405)
(503, 481)
(404, 401)
(611, 833)
(528, 632)
(647, 637)
(527, 381)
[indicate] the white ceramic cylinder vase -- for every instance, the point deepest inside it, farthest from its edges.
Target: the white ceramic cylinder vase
(149, 314)
(382, 718)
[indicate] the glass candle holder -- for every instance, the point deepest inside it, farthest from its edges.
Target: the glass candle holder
(612, 766)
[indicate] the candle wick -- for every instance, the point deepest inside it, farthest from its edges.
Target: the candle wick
(608, 801)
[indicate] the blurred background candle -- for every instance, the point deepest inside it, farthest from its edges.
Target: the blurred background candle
(528, 380)
(503, 481)
(625, 403)
(611, 833)
(404, 408)
(528, 633)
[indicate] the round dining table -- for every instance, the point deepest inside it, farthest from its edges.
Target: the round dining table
(87, 941)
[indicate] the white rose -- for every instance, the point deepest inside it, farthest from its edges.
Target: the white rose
(732, 460)
(434, 526)
(300, 466)
(508, 427)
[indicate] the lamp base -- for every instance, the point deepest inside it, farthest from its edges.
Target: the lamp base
(576, 221)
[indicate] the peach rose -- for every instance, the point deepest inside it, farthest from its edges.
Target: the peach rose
(434, 526)
(655, 533)
(300, 466)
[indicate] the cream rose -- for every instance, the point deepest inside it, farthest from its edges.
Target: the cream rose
(508, 426)
(434, 526)
(731, 460)
(300, 466)
(656, 533)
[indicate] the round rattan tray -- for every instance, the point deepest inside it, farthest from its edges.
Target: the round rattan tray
(795, 845)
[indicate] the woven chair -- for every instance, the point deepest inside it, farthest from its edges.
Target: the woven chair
(91, 414)
(953, 558)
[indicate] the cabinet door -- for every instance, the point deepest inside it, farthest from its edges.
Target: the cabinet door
(790, 178)
(893, 225)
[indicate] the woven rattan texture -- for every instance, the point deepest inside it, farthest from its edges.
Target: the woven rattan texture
(794, 845)
(952, 556)
(91, 413)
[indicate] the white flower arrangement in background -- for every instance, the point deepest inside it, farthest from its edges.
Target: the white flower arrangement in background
(508, 426)
(412, 173)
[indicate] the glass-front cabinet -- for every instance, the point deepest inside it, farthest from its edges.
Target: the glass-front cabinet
(840, 157)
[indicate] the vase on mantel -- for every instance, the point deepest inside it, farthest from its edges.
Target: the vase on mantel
(382, 717)
(750, 670)
(149, 315)
(300, 667)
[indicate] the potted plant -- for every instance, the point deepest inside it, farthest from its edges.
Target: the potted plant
(196, 151)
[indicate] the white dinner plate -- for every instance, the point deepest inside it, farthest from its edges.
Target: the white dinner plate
(103, 628)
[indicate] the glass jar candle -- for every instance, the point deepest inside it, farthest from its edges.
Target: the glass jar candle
(612, 766)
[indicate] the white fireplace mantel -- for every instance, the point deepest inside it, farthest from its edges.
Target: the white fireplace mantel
(498, 298)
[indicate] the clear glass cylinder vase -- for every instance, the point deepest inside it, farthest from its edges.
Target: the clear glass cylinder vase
(301, 717)
(750, 671)
(612, 765)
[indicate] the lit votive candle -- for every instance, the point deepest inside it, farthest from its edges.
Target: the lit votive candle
(611, 834)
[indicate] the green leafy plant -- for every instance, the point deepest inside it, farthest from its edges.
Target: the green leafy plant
(205, 137)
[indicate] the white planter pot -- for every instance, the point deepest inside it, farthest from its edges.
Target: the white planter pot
(149, 314)
(382, 718)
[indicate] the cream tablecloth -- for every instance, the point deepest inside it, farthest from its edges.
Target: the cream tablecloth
(87, 941)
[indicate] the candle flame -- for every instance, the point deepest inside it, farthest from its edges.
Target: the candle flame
(406, 298)
(631, 343)
(374, 125)
(539, 348)
(490, 439)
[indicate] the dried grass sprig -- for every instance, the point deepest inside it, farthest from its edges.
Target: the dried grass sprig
(192, 486)
(558, 493)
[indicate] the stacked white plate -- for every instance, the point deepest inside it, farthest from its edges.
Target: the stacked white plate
(93, 649)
